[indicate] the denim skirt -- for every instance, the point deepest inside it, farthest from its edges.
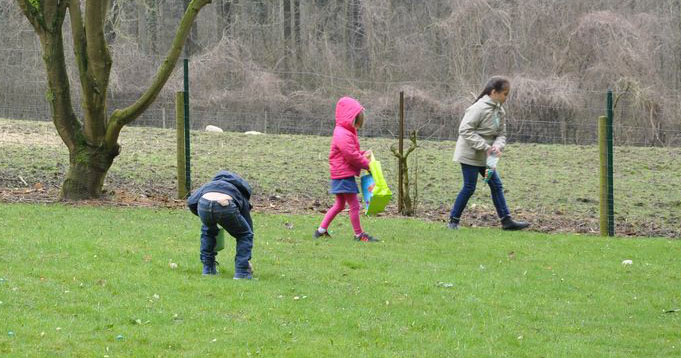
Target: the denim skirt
(344, 186)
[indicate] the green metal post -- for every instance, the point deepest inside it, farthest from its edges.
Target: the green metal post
(188, 168)
(611, 201)
(400, 166)
(180, 139)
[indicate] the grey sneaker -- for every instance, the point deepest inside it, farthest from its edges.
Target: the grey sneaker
(364, 237)
(318, 234)
(453, 224)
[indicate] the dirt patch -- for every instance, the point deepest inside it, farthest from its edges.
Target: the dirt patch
(276, 204)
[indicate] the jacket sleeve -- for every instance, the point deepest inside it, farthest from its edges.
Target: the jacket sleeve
(467, 129)
(193, 202)
(500, 141)
(350, 152)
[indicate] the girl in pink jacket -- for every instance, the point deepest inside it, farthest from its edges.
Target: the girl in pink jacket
(345, 162)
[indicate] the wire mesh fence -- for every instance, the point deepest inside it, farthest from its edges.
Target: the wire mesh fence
(430, 125)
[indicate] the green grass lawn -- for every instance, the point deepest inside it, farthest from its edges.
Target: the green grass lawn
(97, 281)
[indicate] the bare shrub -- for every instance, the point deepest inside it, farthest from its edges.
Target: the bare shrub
(603, 48)
(543, 111)
(228, 74)
(642, 108)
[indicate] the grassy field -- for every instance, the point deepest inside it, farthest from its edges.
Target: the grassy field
(554, 186)
(79, 281)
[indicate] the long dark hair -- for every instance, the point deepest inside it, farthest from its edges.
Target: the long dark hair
(497, 83)
(359, 119)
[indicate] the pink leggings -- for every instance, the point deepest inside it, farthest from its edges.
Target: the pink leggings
(338, 206)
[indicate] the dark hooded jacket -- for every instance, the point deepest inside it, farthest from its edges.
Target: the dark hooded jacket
(227, 183)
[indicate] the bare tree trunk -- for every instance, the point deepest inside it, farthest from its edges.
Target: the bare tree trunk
(151, 23)
(94, 145)
(358, 55)
(296, 29)
(86, 171)
(129, 10)
(287, 22)
(287, 35)
(111, 20)
(261, 13)
(224, 17)
(88, 167)
(192, 46)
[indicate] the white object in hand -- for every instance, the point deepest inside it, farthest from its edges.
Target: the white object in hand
(492, 161)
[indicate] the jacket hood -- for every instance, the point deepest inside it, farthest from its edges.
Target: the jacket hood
(488, 100)
(346, 110)
(235, 180)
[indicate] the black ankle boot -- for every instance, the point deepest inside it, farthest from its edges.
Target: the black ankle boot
(453, 223)
(507, 223)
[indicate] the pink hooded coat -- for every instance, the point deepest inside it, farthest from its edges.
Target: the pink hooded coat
(345, 158)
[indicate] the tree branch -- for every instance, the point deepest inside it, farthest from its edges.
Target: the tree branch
(79, 44)
(99, 59)
(52, 42)
(33, 14)
(396, 153)
(619, 95)
(97, 62)
(120, 118)
(53, 17)
(412, 147)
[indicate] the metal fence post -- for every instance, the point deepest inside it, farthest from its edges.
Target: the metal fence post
(187, 127)
(611, 199)
(180, 139)
(400, 169)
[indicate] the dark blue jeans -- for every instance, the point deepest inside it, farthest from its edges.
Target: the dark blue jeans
(470, 179)
(213, 214)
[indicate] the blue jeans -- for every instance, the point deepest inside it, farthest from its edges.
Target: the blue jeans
(470, 179)
(213, 214)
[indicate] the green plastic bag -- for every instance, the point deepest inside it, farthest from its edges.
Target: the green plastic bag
(375, 191)
(220, 241)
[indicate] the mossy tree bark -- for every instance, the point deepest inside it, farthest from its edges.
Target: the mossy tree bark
(93, 140)
(87, 169)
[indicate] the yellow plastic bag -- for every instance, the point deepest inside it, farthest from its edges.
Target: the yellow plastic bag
(375, 191)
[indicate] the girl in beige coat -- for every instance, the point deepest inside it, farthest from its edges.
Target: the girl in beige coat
(482, 133)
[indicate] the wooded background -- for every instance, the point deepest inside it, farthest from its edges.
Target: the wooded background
(279, 66)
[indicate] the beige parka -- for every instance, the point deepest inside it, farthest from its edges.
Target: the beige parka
(483, 126)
